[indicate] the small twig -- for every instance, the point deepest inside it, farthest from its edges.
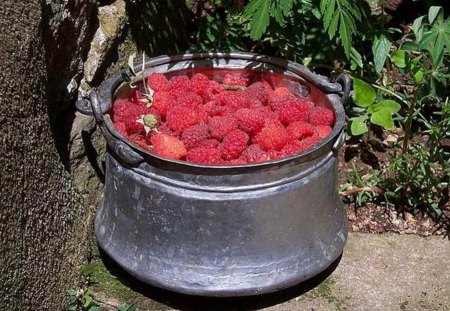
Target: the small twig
(234, 87)
(361, 189)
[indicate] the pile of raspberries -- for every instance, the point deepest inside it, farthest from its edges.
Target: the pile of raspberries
(230, 123)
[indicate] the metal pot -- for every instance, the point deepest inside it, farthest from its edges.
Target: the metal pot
(222, 230)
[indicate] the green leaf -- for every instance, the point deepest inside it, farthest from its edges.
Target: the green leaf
(418, 75)
(260, 20)
(410, 46)
(438, 49)
(417, 24)
(345, 34)
(359, 126)
(329, 13)
(356, 58)
(333, 25)
(399, 58)
(433, 12)
(364, 94)
(390, 105)
(383, 118)
(380, 49)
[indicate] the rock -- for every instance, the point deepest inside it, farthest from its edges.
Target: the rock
(112, 19)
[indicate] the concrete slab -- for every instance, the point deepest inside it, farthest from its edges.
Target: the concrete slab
(376, 272)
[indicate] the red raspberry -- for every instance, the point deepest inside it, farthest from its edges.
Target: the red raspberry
(234, 100)
(163, 102)
(274, 155)
(321, 116)
(323, 130)
(282, 91)
(134, 127)
(200, 83)
(258, 90)
(194, 135)
(158, 82)
(121, 128)
(272, 138)
(291, 148)
(221, 126)
(140, 141)
(209, 143)
(254, 154)
(294, 110)
(234, 78)
(233, 144)
(180, 83)
(217, 110)
(238, 161)
(188, 99)
(309, 142)
(138, 98)
(211, 90)
(202, 155)
(276, 102)
(180, 117)
(168, 146)
(300, 130)
(250, 120)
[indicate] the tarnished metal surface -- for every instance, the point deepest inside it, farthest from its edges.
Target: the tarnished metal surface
(221, 230)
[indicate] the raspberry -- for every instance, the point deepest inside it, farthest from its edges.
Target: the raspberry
(138, 98)
(238, 161)
(188, 99)
(134, 127)
(168, 146)
(194, 135)
(300, 130)
(200, 83)
(211, 90)
(121, 128)
(158, 82)
(180, 83)
(254, 154)
(235, 79)
(217, 110)
(323, 130)
(321, 116)
(140, 141)
(203, 155)
(276, 102)
(250, 120)
(180, 117)
(258, 90)
(163, 102)
(272, 138)
(294, 110)
(234, 100)
(221, 126)
(233, 144)
(309, 142)
(282, 91)
(274, 155)
(291, 148)
(209, 143)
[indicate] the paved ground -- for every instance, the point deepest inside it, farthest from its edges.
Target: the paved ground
(376, 272)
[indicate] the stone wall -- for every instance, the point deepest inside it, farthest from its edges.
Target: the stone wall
(51, 157)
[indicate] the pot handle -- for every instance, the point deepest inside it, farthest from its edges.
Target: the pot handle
(344, 80)
(91, 106)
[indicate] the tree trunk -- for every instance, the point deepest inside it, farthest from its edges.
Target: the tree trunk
(40, 208)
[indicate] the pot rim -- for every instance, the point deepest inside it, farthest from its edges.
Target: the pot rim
(332, 142)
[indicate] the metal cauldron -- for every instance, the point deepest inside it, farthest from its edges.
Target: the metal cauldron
(218, 230)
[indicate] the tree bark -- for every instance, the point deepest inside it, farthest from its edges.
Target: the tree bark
(40, 207)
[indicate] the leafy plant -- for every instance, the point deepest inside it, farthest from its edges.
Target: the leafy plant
(370, 110)
(81, 301)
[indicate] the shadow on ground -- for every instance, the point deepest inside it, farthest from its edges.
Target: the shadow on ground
(187, 302)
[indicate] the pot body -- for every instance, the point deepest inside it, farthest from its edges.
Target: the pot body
(222, 231)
